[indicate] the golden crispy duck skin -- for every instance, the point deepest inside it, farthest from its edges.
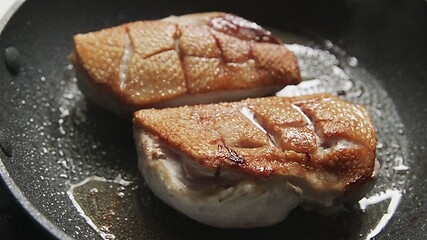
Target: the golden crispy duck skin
(195, 58)
(317, 148)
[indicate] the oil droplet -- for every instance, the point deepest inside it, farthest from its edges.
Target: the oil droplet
(93, 191)
(352, 61)
(400, 165)
(62, 175)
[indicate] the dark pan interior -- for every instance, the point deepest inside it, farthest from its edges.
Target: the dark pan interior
(387, 37)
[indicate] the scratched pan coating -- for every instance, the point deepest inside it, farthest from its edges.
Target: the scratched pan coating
(51, 138)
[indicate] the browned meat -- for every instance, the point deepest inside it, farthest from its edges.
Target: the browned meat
(313, 150)
(195, 58)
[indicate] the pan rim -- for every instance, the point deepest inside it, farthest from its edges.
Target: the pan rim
(9, 13)
(18, 195)
(28, 206)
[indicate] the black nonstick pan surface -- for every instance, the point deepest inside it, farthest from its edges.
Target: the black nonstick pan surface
(52, 139)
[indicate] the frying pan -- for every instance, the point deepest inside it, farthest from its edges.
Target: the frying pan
(52, 138)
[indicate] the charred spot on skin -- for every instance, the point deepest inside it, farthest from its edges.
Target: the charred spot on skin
(308, 157)
(156, 155)
(231, 155)
(242, 28)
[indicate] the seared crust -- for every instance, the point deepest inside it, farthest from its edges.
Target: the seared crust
(100, 53)
(175, 56)
(326, 141)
